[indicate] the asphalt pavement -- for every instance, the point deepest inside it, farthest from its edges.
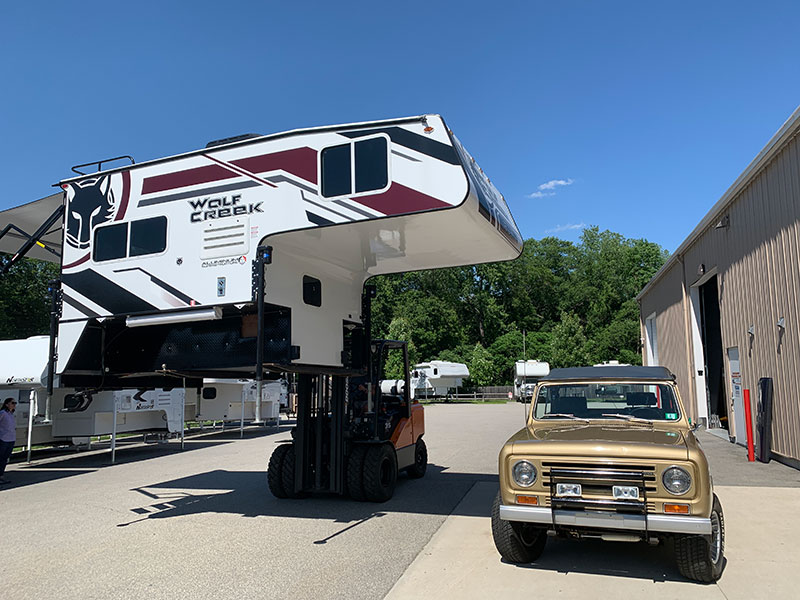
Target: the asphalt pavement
(200, 523)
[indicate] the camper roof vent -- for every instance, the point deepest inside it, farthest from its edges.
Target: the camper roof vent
(230, 140)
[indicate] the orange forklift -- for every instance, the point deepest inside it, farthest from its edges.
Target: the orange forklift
(353, 435)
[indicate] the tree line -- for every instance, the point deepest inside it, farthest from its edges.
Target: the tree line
(566, 303)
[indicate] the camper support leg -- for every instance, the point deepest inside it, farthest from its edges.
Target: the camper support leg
(263, 258)
(113, 432)
(55, 297)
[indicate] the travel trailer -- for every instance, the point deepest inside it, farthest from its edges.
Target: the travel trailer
(249, 258)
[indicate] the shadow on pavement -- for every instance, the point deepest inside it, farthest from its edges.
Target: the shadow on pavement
(245, 493)
(635, 560)
(50, 465)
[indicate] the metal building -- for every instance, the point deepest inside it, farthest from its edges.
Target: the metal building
(723, 311)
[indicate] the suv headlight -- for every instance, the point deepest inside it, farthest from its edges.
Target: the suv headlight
(524, 473)
(676, 480)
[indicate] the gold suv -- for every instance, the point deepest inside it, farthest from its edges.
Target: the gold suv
(608, 452)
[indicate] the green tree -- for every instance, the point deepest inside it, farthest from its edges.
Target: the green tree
(568, 344)
(24, 298)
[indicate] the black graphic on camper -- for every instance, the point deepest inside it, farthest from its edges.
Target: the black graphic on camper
(92, 205)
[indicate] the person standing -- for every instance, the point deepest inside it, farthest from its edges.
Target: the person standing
(8, 434)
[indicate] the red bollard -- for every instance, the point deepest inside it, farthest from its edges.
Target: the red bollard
(751, 451)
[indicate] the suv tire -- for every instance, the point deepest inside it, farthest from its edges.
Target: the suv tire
(517, 543)
(703, 558)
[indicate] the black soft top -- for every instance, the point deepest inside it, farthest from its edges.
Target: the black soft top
(610, 372)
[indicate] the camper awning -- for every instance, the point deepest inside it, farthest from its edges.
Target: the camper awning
(29, 217)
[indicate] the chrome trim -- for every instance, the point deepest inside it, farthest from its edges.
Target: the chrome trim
(607, 520)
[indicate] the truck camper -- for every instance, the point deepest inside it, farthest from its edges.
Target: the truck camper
(526, 374)
(249, 258)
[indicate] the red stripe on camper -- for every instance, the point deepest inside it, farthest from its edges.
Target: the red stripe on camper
(301, 162)
(399, 199)
(126, 195)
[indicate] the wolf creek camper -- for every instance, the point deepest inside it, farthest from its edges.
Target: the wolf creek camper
(249, 258)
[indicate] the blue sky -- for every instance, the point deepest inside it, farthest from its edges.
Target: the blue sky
(632, 116)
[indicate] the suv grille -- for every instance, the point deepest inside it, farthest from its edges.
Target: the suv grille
(596, 485)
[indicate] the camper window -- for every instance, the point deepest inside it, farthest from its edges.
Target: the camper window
(110, 242)
(312, 291)
(148, 236)
(336, 171)
(358, 167)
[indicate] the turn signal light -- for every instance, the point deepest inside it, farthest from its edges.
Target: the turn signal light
(528, 500)
(680, 509)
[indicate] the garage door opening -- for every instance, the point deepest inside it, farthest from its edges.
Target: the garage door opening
(713, 355)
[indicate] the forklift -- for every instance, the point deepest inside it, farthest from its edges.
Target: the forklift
(355, 433)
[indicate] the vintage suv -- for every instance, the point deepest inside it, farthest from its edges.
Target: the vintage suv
(608, 452)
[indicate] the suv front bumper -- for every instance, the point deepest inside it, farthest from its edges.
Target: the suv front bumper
(607, 520)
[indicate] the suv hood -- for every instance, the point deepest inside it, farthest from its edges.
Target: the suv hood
(607, 440)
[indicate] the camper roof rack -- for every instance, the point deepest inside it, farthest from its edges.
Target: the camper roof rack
(100, 163)
(235, 138)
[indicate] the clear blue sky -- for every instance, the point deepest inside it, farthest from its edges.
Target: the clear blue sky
(639, 114)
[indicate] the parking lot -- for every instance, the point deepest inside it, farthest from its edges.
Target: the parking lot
(200, 523)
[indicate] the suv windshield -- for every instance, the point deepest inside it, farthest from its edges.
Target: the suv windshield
(611, 401)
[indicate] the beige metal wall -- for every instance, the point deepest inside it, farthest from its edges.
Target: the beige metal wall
(757, 258)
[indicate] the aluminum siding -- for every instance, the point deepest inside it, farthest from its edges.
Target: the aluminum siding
(758, 262)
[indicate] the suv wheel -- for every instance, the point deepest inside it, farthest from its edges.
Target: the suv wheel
(702, 558)
(516, 542)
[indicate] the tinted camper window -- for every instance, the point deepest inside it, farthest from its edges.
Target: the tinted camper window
(148, 236)
(110, 242)
(336, 171)
(362, 166)
(372, 168)
(312, 291)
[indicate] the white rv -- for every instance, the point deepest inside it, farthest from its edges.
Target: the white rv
(526, 374)
(72, 415)
(437, 378)
(234, 400)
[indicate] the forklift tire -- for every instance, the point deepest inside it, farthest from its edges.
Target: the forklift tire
(380, 472)
(275, 471)
(420, 465)
(355, 472)
(288, 474)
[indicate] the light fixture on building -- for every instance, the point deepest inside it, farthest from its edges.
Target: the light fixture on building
(723, 223)
(782, 323)
(751, 331)
(701, 269)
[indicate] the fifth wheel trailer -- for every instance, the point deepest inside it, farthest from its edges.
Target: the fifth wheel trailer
(249, 258)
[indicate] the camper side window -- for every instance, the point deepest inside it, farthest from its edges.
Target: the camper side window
(110, 242)
(359, 167)
(312, 291)
(148, 236)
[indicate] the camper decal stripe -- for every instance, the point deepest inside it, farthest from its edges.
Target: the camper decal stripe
(78, 306)
(399, 199)
(326, 208)
(317, 220)
(80, 261)
(219, 189)
(105, 293)
(301, 162)
(163, 285)
(126, 195)
(409, 139)
(244, 172)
